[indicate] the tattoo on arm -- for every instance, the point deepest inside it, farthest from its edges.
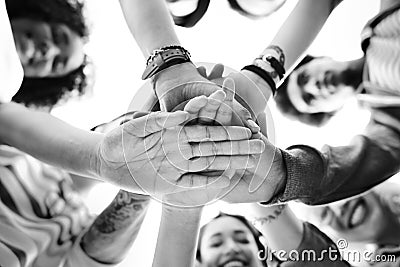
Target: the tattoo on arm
(270, 217)
(114, 230)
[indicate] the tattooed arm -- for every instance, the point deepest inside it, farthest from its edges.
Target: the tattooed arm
(283, 230)
(113, 232)
(288, 236)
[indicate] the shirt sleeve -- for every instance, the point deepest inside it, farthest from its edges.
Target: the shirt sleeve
(11, 71)
(319, 177)
(315, 249)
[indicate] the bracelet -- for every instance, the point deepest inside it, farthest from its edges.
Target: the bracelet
(164, 58)
(265, 65)
(276, 65)
(263, 74)
(164, 48)
(279, 53)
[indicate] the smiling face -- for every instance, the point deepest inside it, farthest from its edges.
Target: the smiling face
(319, 86)
(227, 242)
(47, 49)
(362, 219)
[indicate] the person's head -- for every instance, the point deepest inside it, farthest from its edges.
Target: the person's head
(369, 218)
(229, 240)
(316, 89)
(49, 36)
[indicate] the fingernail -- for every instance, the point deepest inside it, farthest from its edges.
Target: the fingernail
(253, 125)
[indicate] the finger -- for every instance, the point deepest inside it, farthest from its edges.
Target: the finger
(194, 180)
(199, 133)
(245, 117)
(262, 120)
(196, 104)
(244, 147)
(224, 113)
(139, 114)
(155, 122)
(208, 112)
(213, 163)
(216, 72)
(202, 71)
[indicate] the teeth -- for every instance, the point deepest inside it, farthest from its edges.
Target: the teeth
(234, 264)
(357, 215)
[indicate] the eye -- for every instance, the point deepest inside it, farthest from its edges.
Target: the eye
(55, 34)
(215, 244)
(326, 216)
(302, 78)
(242, 238)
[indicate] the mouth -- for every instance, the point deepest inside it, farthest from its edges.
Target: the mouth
(234, 263)
(358, 214)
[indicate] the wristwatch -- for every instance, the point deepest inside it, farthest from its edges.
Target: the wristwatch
(162, 59)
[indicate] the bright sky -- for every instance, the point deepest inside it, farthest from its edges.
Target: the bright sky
(221, 36)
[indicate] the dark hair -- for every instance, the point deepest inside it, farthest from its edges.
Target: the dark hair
(288, 109)
(256, 234)
(48, 91)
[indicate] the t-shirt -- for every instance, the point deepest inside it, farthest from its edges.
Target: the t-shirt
(42, 218)
(11, 72)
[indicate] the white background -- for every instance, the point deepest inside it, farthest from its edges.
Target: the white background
(222, 36)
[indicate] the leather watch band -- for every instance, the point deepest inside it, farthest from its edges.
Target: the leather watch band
(164, 59)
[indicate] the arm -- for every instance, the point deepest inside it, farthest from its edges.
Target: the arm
(113, 232)
(152, 27)
(294, 37)
(177, 237)
(50, 139)
(285, 233)
(339, 172)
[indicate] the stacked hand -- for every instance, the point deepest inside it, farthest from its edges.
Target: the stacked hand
(158, 154)
(183, 82)
(248, 184)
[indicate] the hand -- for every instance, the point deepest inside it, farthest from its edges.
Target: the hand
(215, 109)
(250, 87)
(158, 155)
(248, 185)
(183, 82)
(263, 182)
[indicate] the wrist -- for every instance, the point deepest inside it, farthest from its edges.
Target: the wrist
(172, 75)
(259, 82)
(173, 85)
(190, 213)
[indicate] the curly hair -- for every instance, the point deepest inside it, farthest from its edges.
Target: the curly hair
(256, 234)
(285, 105)
(48, 91)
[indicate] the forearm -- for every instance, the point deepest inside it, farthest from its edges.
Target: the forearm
(282, 229)
(150, 23)
(177, 238)
(113, 232)
(300, 29)
(49, 139)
